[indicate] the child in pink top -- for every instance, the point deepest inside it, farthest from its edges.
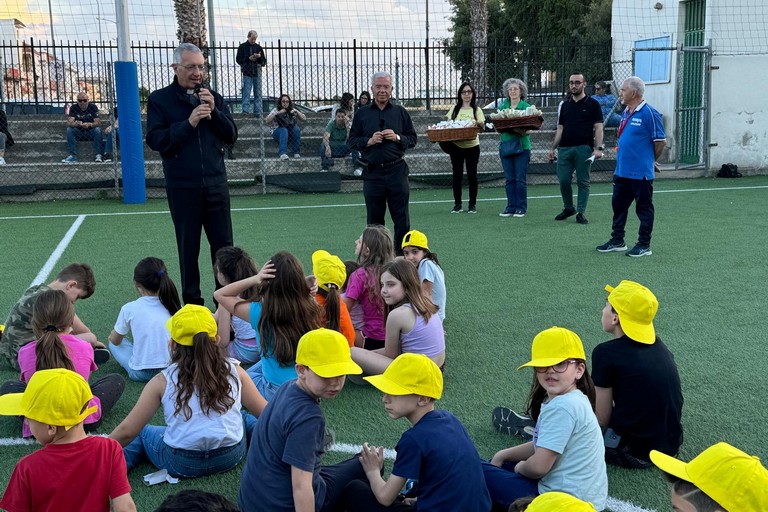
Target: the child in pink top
(52, 317)
(373, 249)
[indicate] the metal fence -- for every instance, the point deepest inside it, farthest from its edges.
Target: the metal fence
(40, 81)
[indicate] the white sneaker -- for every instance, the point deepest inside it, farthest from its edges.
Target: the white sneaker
(284, 157)
(296, 155)
(98, 157)
(358, 171)
(323, 170)
(2, 161)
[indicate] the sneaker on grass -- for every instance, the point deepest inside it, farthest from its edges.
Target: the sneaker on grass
(472, 209)
(358, 171)
(98, 157)
(456, 209)
(506, 421)
(638, 251)
(612, 245)
(70, 159)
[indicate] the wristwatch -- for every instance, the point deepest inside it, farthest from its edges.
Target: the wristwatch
(600, 148)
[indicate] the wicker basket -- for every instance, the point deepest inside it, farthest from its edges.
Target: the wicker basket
(509, 124)
(452, 134)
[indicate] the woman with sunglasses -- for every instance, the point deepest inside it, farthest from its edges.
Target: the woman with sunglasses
(567, 452)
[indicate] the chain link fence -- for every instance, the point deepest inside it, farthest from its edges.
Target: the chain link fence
(41, 82)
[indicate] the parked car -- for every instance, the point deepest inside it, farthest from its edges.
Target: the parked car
(323, 108)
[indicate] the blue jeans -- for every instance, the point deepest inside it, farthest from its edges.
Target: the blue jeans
(266, 388)
(281, 135)
(77, 134)
(505, 486)
(252, 82)
(108, 145)
(515, 174)
(122, 354)
(149, 445)
(338, 152)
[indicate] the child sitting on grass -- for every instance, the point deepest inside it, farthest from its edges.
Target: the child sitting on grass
(331, 274)
(73, 471)
(720, 479)
(282, 471)
(566, 453)
(416, 250)
(436, 451)
(77, 282)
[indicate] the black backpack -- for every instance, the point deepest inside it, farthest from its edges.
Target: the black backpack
(729, 171)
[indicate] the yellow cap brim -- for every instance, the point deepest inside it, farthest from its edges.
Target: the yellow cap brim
(671, 465)
(337, 369)
(10, 404)
(387, 386)
(543, 363)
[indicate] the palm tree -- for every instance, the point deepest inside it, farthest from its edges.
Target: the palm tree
(190, 17)
(478, 26)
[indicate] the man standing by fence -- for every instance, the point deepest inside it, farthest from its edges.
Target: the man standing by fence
(382, 132)
(250, 57)
(579, 130)
(189, 126)
(641, 141)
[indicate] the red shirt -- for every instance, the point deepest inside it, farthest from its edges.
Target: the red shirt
(80, 476)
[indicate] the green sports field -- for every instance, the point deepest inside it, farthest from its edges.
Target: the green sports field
(507, 279)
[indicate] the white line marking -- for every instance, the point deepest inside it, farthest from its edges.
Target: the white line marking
(352, 449)
(16, 441)
(624, 506)
(358, 205)
(54, 257)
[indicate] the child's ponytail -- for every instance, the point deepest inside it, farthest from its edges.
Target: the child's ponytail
(52, 315)
(333, 308)
(152, 275)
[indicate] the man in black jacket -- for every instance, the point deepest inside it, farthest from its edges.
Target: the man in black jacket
(189, 126)
(382, 132)
(5, 136)
(250, 57)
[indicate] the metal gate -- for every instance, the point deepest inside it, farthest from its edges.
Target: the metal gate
(693, 91)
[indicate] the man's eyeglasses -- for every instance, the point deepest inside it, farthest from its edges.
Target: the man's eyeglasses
(192, 67)
(575, 82)
(82, 101)
(558, 368)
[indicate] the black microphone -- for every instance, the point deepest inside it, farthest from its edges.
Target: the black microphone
(198, 87)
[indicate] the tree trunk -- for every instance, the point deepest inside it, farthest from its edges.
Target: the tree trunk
(479, 30)
(190, 17)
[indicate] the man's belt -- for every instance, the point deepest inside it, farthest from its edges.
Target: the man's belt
(386, 165)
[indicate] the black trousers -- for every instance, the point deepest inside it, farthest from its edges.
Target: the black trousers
(388, 187)
(358, 497)
(460, 156)
(626, 190)
(194, 210)
(336, 478)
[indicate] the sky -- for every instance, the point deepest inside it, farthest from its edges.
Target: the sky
(298, 20)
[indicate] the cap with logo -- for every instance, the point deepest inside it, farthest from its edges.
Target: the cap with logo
(415, 238)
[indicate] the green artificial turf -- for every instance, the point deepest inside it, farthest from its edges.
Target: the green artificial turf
(507, 280)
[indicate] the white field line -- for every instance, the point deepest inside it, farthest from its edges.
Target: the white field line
(614, 504)
(359, 205)
(56, 254)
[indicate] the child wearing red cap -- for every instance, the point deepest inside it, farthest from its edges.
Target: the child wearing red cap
(639, 399)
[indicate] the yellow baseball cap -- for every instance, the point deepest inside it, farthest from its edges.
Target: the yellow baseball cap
(734, 479)
(559, 502)
(55, 397)
(553, 346)
(328, 269)
(410, 374)
(416, 239)
(327, 353)
(189, 321)
(636, 306)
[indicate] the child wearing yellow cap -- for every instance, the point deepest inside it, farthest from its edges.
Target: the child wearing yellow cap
(331, 274)
(282, 471)
(639, 398)
(201, 394)
(566, 453)
(553, 502)
(722, 478)
(431, 275)
(436, 450)
(56, 477)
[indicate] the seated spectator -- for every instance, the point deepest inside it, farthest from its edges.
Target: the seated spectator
(83, 124)
(282, 120)
(347, 102)
(609, 104)
(363, 100)
(5, 136)
(108, 134)
(720, 479)
(334, 143)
